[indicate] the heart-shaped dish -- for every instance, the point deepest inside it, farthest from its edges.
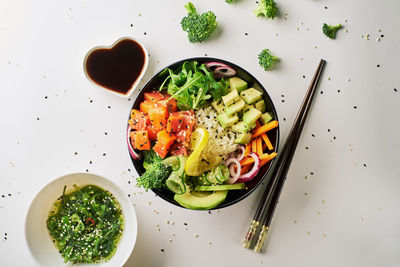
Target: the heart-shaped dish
(119, 67)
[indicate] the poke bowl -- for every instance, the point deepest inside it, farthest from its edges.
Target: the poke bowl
(202, 133)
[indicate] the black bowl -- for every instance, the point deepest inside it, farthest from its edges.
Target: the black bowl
(234, 196)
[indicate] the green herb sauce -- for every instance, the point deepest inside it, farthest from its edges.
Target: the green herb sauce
(86, 224)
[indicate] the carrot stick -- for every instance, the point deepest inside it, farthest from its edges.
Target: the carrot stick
(265, 161)
(265, 128)
(254, 146)
(248, 149)
(264, 146)
(245, 169)
(267, 141)
(259, 146)
(250, 160)
(258, 124)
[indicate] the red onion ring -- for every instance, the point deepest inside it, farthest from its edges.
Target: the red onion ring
(241, 148)
(234, 175)
(134, 155)
(211, 65)
(253, 172)
(224, 71)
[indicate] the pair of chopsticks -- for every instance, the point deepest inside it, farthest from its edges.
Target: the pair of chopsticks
(270, 198)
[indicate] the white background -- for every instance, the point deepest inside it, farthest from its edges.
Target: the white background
(345, 214)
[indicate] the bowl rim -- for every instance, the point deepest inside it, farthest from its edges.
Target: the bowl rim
(265, 92)
(125, 258)
(139, 78)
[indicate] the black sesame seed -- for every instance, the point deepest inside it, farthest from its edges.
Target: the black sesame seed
(283, 100)
(338, 91)
(9, 195)
(306, 147)
(45, 97)
(131, 25)
(205, 55)
(334, 138)
(37, 118)
(144, 33)
(129, 195)
(365, 165)
(129, 182)
(355, 107)
(395, 89)
(162, 250)
(311, 173)
(382, 35)
(184, 223)
(109, 106)
(87, 170)
(209, 212)
(313, 135)
(76, 153)
(105, 133)
(304, 76)
(378, 66)
(246, 33)
(91, 101)
(326, 7)
(284, 119)
(329, 130)
(322, 92)
(104, 154)
(3, 196)
(90, 162)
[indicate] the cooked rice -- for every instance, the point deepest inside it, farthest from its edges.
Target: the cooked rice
(220, 141)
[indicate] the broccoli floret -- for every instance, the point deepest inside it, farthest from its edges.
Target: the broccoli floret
(267, 8)
(266, 60)
(198, 26)
(229, 1)
(330, 30)
(156, 172)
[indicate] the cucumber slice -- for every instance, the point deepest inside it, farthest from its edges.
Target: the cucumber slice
(175, 183)
(222, 173)
(222, 187)
(173, 161)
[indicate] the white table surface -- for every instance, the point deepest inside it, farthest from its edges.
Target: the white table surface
(346, 214)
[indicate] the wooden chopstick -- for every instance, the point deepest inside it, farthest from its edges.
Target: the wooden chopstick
(271, 194)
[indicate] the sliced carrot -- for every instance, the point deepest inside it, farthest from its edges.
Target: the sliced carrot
(259, 146)
(248, 149)
(267, 141)
(250, 160)
(265, 128)
(265, 161)
(245, 169)
(254, 146)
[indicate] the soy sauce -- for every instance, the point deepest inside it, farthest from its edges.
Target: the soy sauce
(117, 68)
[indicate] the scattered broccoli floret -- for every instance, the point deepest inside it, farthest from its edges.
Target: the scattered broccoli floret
(266, 60)
(229, 1)
(330, 30)
(198, 26)
(267, 8)
(156, 172)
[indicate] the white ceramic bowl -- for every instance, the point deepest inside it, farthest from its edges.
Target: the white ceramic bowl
(38, 237)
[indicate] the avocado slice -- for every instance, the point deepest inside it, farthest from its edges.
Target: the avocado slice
(236, 107)
(241, 127)
(226, 121)
(231, 98)
(201, 200)
(237, 186)
(251, 95)
(238, 84)
(260, 105)
(243, 138)
(219, 106)
(251, 116)
(266, 117)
